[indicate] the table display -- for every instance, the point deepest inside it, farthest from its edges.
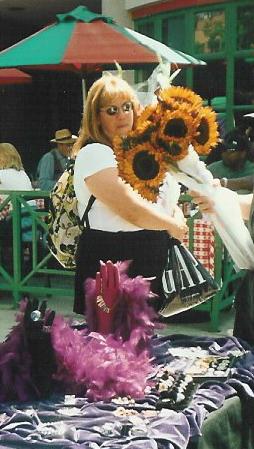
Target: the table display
(68, 421)
(66, 384)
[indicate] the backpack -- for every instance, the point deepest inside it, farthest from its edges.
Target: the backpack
(64, 223)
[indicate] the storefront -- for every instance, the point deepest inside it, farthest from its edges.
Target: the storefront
(219, 32)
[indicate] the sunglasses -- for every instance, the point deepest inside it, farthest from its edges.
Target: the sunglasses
(114, 110)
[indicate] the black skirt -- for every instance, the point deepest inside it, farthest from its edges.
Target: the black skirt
(146, 249)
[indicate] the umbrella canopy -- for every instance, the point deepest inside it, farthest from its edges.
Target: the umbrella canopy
(83, 41)
(14, 76)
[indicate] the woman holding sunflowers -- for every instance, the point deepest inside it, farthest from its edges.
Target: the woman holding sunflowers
(121, 224)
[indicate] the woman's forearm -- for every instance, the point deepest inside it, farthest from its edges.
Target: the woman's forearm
(142, 214)
(108, 188)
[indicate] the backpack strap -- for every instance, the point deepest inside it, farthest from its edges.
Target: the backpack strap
(88, 208)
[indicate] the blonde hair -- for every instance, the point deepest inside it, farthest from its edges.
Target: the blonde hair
(9, 157)
(102, 93)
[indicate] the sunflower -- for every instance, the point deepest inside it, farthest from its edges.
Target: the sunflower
(144, 168)
(123, 144)
(149, 114)
(173, 150)
(175, 95)
(146, 123)
(175, 133)
(207, 131)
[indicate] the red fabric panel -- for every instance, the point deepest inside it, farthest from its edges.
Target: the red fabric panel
(99, 43)
(14, 76)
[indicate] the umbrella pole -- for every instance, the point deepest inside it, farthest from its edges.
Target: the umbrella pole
(83, 90)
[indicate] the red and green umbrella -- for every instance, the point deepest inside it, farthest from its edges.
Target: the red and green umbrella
(83, 41)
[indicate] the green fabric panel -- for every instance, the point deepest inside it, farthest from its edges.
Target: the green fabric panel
(84, 15)
(45, 47)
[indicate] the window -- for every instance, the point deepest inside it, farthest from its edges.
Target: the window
(173, 35)
(210, 81)
(147, 29)
(244, 82)
(209, 34)
(173, 32)
(245, 29)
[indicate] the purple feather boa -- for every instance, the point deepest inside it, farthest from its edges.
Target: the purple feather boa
(99, 367)
(133, 310)
(115, 365)
(15, 364)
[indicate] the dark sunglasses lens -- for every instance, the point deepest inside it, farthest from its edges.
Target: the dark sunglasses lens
(112, 110)
(127, 107)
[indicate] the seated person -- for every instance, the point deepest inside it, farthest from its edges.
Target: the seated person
(12, 174)
(13, 177)
(53, 163)
(235, 162)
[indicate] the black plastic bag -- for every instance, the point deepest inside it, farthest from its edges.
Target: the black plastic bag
(186, 282)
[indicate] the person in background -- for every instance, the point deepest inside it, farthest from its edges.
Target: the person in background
(12, 174)
(246, 183)
(244, 300)
(215, 154)
(234, 154)
(13, 177)
(53, 163)
(246, 126)
(123, 226)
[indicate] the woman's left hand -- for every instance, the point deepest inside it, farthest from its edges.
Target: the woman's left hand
(205, 203)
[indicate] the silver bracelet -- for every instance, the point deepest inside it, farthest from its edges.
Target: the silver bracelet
(224, 182)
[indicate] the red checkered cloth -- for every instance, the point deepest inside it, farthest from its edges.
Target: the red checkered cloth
(203, 243)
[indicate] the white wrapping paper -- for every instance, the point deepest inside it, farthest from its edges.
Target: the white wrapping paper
(227, 217)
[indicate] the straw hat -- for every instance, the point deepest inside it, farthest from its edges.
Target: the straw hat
(64, 136)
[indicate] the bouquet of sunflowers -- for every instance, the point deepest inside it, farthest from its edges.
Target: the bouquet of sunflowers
(165, 134)
(169, 137)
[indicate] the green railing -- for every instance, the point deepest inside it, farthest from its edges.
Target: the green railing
(27, 267)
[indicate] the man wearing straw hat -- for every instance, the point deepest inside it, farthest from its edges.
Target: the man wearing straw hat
(53, 163)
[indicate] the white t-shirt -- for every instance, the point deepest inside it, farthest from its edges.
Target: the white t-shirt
(90, 160)
(11, 179)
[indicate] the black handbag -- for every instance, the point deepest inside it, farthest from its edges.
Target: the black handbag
(186, 282)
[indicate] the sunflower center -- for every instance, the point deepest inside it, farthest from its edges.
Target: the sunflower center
(175, 128)
(174, 149)
(203, 130)
(145, 166)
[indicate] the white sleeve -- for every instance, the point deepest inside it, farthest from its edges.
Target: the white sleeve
(94, 158)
